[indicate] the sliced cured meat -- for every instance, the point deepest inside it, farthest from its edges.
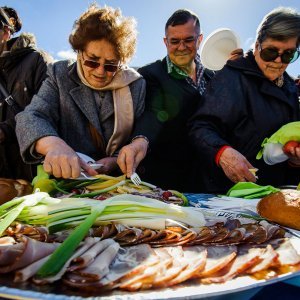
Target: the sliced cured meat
(88, 242)
(234, 237)
(287, 253)
(245, 259)
(35, 232)
(90, 255)
(273, 231)
(268, 259)
(100, 264)
(195, 257)
(257, 237)
(31, 251)
(217, 258)
(10, 253)
(129, 262)
(29, 271)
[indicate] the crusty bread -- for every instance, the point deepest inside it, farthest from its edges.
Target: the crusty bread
(282, 207)
(10, 188)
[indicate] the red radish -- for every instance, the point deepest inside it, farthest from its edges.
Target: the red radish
(167, 194)
(289, 146)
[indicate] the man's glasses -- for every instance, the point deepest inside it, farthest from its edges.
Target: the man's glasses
(287, 56)
(188, 41)
(94, 64)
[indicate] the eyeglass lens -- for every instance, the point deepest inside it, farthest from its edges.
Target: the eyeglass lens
(94, 64)
(287, 57)
(187, 41)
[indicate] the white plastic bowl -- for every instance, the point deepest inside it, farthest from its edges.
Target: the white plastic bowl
(217, 47)
(273, 154)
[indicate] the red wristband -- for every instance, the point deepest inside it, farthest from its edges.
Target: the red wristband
(219, 153)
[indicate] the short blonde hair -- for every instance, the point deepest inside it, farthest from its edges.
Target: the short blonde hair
(109, 24)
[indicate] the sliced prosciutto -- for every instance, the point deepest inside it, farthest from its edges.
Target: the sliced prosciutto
(25, 253)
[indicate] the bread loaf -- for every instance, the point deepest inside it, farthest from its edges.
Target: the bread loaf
(282, 207)
(10, 188)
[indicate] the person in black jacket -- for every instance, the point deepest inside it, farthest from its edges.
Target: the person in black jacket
(175, 86)
(22, 71)
(247, 101)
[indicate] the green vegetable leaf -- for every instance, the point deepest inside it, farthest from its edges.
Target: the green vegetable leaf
(61, 255)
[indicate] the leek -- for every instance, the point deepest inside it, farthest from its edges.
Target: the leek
(29, 200)
(61, 255)
(52, 212)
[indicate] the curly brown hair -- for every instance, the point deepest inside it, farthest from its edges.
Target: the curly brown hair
(109, 24)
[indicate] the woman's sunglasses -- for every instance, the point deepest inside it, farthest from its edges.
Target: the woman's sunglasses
(287, 56)
(94, 64)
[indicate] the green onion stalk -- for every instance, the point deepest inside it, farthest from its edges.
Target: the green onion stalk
(57, 214)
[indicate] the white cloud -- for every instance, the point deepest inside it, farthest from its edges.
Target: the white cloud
(66, 54)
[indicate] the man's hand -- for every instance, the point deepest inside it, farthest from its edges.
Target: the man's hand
(131, 155)
(236, 166)
(236, 54)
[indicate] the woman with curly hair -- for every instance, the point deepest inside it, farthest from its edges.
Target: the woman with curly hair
(88, 106)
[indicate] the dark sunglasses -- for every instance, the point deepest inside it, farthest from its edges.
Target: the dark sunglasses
(287, 56)
(94, 64)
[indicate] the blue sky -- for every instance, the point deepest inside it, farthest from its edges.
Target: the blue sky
(52, 20)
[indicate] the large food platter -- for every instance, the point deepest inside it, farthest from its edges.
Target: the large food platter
(192, 290)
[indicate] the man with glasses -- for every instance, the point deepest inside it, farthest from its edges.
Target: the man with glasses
(246, 102)
(175, 86)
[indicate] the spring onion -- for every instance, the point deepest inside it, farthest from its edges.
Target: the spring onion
(61, 255)
(27, 201)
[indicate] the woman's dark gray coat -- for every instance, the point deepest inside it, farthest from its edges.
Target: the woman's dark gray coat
(242, 107)
(65, 107)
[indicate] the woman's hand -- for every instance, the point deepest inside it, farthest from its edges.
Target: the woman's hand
(292, 150)
(236, 166)
(131, 155)
(109, 165)
(60, 159)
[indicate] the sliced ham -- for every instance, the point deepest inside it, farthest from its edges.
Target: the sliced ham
(217, 258)
(195, 257)
(245, 259)
(173, 267)
(287, 253)
(268, 259)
